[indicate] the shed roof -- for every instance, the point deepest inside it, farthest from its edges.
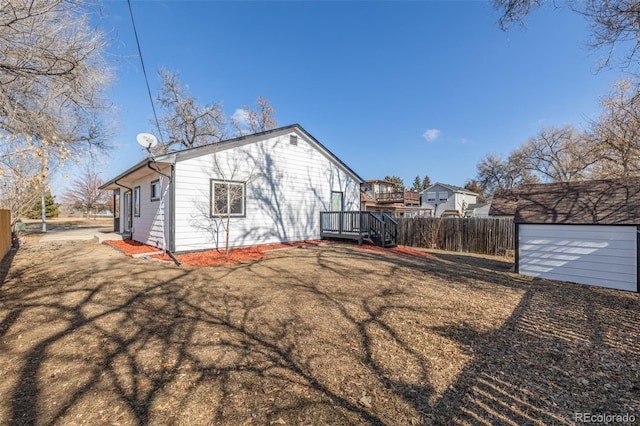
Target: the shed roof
(504, 202)
(604, 202)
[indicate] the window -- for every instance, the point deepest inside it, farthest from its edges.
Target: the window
(136, 201)
(431, 196)
(155, 190)
(443, 196)
(227, 198)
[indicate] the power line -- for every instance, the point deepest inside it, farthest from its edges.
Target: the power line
(144, 70)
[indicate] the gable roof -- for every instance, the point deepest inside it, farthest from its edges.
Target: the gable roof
(450, 188)
(605, 202)
(175, 156)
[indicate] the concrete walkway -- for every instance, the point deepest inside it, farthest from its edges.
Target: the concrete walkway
(100, 234)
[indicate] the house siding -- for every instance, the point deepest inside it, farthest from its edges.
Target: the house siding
(151, 227)
(287, 186)
(602, 255)
(454, 200)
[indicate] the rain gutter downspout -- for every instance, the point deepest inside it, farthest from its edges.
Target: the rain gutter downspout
(169, 252)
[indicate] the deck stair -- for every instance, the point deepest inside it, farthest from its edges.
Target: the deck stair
(380, 228)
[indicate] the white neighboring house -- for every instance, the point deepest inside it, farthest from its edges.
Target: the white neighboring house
(440, 197)
(480, 210)
(273, 186)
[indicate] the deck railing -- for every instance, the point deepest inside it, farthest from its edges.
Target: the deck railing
(381, 228)
(407, 196)
(391, 226)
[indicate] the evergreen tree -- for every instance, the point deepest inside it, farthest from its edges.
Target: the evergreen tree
(50, 205)
(417, 184)
(426, 182)
(395, 179)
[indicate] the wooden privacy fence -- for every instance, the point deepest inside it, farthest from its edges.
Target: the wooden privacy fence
(470, 235)
(5, 232)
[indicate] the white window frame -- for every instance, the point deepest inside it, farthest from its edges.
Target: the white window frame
(227, 183)
(440, 195)
(431, 196)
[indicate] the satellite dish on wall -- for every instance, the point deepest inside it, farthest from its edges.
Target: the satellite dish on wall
(147, 140)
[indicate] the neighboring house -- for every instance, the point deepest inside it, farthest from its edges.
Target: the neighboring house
(480, 210)
(581, 232)
(384, 196)
(440, 198)
(271, 186)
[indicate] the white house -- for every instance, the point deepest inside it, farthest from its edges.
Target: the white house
(440, 198)
(480, 210)
(270, 186)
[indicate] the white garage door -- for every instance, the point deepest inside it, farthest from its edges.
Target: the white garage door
(587, 254)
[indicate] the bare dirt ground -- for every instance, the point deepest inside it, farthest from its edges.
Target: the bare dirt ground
(322, 335)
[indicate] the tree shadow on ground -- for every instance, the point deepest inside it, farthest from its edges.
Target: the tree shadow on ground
(331, 335)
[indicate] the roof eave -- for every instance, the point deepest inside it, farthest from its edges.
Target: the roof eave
(112, 184)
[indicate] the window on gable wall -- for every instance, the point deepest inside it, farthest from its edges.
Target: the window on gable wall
(227, 198)
(431, 196)
(443, 196)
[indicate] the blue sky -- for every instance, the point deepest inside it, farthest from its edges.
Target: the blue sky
(392, 88)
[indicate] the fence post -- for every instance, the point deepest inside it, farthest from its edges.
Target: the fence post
(5, 232)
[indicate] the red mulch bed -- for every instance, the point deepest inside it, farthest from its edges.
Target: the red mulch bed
(219, 257)
(398, 250)
(131, 247)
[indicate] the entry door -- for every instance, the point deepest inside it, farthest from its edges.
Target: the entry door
(116, 210)
(337, 202)
(126, 211)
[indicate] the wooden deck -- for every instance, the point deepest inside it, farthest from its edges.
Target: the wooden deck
(343, 235)
(358, 225)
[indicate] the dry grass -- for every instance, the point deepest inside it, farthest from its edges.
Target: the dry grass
(323, 335)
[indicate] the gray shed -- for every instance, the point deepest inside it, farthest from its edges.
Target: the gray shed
(582, 232)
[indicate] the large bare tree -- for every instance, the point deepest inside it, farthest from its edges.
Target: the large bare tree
(614, 23)
(495, 172)
(616, 133)
(52, 88)
(248, 120)
(185, 122)
(52, 74)
(83, 193)
(556, 155)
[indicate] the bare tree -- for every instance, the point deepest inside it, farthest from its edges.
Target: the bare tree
(614, 23)
(186, 123)
(21, 184)
(249, 120)
(52, 75)
(494, 172)
(84, 193)
(616, 133)
(52, 91)
(556, 155)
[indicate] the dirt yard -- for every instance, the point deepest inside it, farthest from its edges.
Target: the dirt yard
(321, 335)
